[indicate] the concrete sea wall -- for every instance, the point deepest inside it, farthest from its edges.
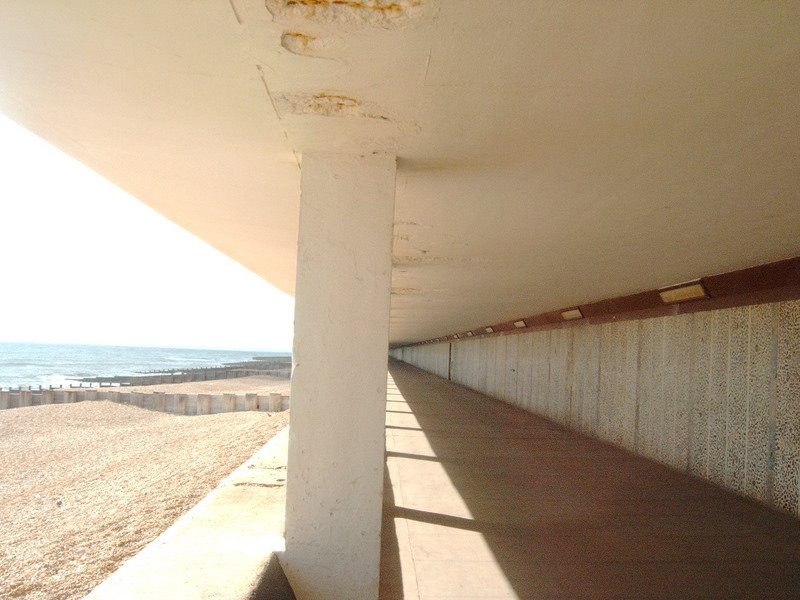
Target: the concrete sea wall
(176, 404)
(716, 394)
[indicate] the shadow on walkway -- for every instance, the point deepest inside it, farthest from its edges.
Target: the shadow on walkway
(484, 500)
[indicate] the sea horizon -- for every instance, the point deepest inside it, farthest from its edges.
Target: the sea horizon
(54, 364)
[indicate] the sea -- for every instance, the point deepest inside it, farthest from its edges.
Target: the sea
(58, 364)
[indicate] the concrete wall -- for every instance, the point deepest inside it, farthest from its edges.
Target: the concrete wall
(713, 393)
(177, 404)
(434, 358)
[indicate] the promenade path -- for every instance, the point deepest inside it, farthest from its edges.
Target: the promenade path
(484, 500)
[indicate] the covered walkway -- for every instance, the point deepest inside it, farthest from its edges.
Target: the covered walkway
(484, 500)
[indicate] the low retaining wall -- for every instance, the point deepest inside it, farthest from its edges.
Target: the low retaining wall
(225, 548)
(176, 404)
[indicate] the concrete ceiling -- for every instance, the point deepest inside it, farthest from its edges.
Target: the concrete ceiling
(549, 153)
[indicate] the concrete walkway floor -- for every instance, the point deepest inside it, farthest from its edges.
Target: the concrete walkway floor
(484, 500)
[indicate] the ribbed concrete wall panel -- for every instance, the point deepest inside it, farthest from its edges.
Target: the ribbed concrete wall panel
(700, 382)
(524, 369)
(512, 369)
(761, 382)
(489, 367)
(579, 365)
(558, 397)
(787, 415)
(541, 376)
(718, 391)
(736, 389)
(499, 368)
(610, 373)
(498, 375)
(651, 333)
(589, 377)
(619, 354)
(677, 386)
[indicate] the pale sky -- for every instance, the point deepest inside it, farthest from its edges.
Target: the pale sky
(81, 261)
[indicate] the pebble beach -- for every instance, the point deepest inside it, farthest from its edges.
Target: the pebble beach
(83, 487)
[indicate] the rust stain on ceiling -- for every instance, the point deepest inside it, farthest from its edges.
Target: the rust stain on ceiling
(329, 104)
(300, 43)
(383, 13)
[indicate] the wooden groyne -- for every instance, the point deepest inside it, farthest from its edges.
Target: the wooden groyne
(278, 366)
(176, 404)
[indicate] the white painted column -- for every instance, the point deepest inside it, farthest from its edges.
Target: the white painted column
(336, 438)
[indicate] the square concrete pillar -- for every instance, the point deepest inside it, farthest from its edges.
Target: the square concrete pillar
(336, 438)
(251, 402)
(228, 402)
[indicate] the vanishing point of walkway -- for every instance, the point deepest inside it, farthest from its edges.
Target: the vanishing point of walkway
(484, 500)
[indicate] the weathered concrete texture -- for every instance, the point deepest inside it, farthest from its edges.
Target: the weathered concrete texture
(787, 413)
(335, 477)
(714, 393)
(761, 389)
(619, 354)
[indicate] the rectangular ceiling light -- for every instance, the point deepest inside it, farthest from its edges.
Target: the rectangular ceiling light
(469, 333)
(569, 315)
(519, 324)
(683, 292)
(489, 330)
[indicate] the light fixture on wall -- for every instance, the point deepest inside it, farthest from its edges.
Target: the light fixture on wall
(519, 324)
(469, 334)
(489, 330)
(691, 290)
(569, 315)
